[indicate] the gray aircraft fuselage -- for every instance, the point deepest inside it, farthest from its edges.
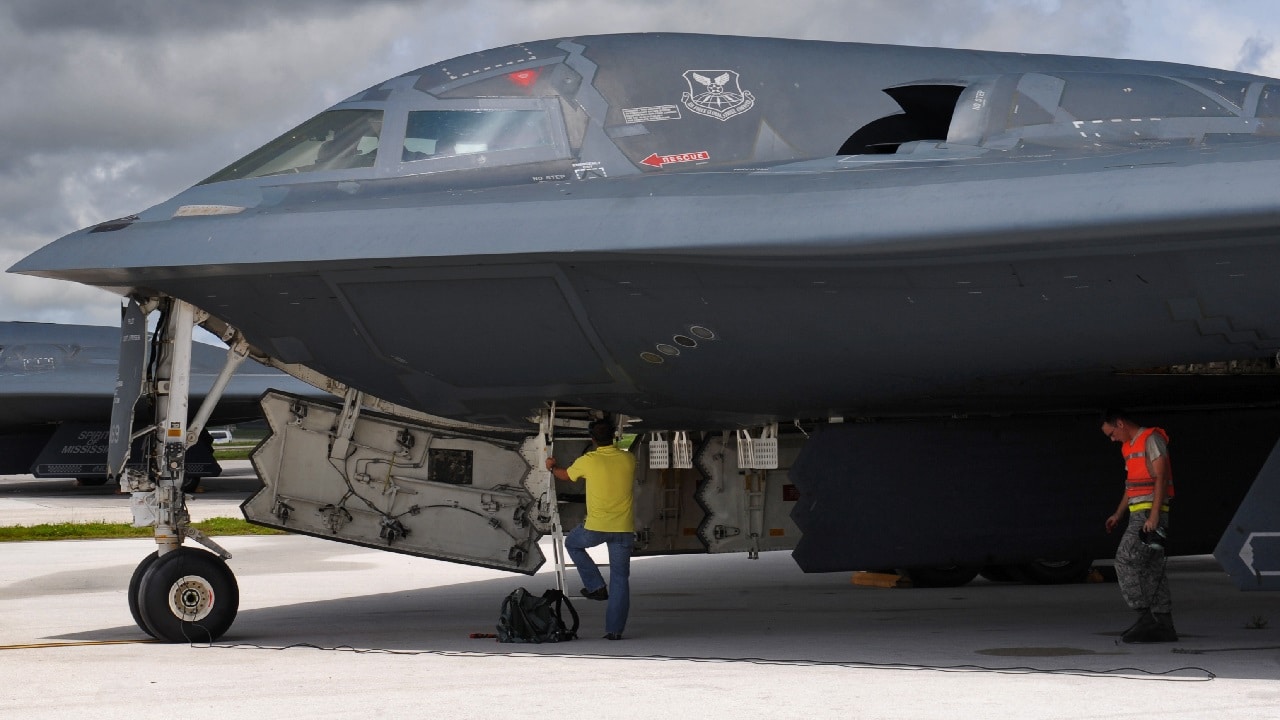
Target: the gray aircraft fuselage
(709, 230)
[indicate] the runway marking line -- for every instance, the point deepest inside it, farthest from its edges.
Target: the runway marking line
(85, 643)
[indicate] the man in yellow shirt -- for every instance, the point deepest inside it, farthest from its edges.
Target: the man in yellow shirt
(610, 475)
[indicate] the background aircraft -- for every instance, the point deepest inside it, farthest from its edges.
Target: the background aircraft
(56, 387)
(734, 242)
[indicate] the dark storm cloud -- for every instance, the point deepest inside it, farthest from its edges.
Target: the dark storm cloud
(1255, 51)
(95, 125)
(73, 87)
(148, 17)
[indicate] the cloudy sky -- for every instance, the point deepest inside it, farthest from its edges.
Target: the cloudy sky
(111, 106)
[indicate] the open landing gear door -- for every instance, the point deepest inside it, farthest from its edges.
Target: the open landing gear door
(391, 484)
(133, 352)
(1250, 548)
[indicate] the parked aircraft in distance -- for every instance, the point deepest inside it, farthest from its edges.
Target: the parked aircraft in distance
(864, 302)
(56, 386)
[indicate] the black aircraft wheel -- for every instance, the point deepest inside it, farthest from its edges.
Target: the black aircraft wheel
(135, 583)
(942, 575)
(188, 595)
(91, 481)
(1056, 572)
(190, 483)
(1000, 573)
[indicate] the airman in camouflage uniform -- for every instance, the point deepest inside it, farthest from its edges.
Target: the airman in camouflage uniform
(1140, 559)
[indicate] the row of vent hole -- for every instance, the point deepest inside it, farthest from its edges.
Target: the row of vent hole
(700, 332)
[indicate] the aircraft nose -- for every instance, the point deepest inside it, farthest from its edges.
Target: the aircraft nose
(56, 256)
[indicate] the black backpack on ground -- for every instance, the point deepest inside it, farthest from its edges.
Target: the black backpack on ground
(527, 618)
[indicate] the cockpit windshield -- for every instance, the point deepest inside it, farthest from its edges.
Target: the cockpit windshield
(445, 133)
(335, 140)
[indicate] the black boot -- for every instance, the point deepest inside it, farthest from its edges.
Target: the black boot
(1167, 632)
(1152, 628)
(1142, 629)
(1142, 616)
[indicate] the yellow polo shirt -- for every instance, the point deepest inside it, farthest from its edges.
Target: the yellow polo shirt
(610, 474)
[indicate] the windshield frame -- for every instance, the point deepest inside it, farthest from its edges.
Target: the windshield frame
(395, 116)
(289, 143)
(394, 131)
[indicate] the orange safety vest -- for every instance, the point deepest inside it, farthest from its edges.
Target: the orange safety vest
(1140, 485)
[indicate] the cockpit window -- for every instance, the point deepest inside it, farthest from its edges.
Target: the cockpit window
(1269, 102)
(446, 133)
(1102, 96)
(335, 140)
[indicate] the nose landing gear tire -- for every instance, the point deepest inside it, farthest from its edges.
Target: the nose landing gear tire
(1056, 572)
(135, 585)
(187, 595)
(941, 576)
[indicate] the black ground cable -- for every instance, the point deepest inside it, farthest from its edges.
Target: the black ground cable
(1207, 651)
(1122, 673)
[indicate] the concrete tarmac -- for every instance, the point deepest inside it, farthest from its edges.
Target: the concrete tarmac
(327, 630)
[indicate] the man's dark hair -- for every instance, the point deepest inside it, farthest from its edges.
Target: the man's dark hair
(602, 432)
(1113, 415)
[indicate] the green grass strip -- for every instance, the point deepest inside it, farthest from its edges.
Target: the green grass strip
(106, 531)
(233, 453)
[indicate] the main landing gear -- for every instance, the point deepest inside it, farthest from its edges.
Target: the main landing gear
(361, 471)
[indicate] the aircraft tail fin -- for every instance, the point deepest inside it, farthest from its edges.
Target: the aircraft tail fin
(1250, 548)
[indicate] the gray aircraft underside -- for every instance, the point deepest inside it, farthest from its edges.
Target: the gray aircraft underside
(709, 233)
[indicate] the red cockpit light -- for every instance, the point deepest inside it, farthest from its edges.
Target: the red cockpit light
(523, 78)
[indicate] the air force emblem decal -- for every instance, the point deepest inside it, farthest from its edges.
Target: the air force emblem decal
(715, 93)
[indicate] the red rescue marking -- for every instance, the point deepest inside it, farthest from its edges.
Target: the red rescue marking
(656, 160)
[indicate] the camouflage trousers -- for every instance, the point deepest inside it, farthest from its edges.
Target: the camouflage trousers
(1140, 570)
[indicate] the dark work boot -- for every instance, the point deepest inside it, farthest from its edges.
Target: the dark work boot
(1142, 616)
(1152, 628)
(1141, 630)
(1167, 632)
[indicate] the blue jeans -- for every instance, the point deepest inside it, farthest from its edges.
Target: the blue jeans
(576, 544)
